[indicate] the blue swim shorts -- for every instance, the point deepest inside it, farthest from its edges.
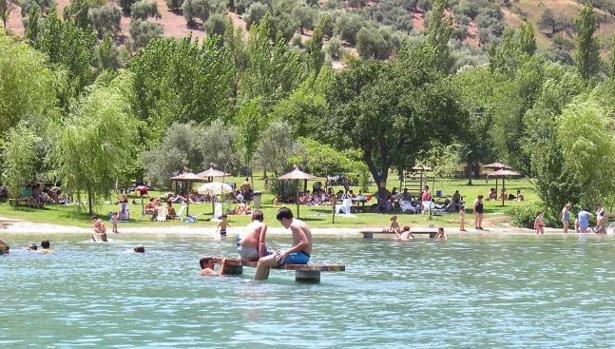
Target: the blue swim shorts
(297, 258)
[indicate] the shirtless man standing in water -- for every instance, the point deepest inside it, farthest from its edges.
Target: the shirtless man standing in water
(299, 253)
(250, 243)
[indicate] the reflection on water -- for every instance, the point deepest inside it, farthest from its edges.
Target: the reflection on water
(509, 292)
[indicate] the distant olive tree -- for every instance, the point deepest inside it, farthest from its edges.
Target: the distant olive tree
(144, 9)
(105, 19)
(201, 9)
(142, 32)
(216, 24)
(255, 12)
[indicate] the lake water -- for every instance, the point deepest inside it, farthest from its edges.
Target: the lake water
(494, 292)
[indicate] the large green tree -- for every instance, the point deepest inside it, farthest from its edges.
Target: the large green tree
(27, 85)
(439, 33)
(587, 55)
(391, 110)
(96, 144)
(20, 159)
(180, 81)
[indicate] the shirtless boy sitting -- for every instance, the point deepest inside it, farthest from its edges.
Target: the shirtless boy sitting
(299, 253)
(250, 243)
(99, 229)
(207, 267)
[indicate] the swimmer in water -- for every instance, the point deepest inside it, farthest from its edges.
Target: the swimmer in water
(45, 247)
(208, 265)
(99, 229)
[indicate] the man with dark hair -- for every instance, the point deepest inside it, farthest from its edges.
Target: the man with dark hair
(4, 247)
(299, 253)
(250, 243)
(45, 247)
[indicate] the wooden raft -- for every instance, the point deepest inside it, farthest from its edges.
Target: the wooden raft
(369, 234)
(303, 272)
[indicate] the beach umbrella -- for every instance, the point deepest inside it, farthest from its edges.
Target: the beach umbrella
(187, 177)
(497, 166)
(215, 188)
(297, 175)
(211, 172)
(503, 173)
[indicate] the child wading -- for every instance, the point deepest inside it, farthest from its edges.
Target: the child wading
(539, 223)
(115, 218)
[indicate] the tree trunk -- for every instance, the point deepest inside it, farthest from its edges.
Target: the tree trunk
(90, 212)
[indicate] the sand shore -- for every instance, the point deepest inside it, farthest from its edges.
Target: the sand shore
(13, 226)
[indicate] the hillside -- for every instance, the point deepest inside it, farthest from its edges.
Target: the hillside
(473, 27)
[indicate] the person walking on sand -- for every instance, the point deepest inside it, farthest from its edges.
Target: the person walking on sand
(566, 217)
(115, 218)
(539, 223)
(299, 253)
(479, 212)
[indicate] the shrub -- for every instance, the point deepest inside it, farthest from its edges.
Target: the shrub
(523, 216)
(201, 9)
(105, 19)
(334, 48)
(144, 9)
(142, 32)
(174, 5)
(347, 26)
(126, 5)
(216, 25)
(254, 13)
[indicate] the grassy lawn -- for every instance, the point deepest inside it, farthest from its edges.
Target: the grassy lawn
(316, 216)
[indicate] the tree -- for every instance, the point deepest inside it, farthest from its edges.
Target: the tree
(555, 183)
(31, 23)
(276, 147)
(20, 159)
(192, 146)
(304, 16)
(347, 26)
(255, 12)
(390, 110)
(5, 10)
(323, 159)
(95, 145)
(273, 69)
(587, 55)
(180, 81)
(548, 20)
(27, 91)
(174, 5)
(527, 39)
(201, 9)
(144, 9)
(612, 59)
(142, 32)
(439, 33)
(107, 54)
(216, 24)
(588, 146)
(105, 19)
(251, 122)
(77, 10)
(313, 48)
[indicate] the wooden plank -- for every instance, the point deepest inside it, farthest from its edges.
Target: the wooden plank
(303, 267)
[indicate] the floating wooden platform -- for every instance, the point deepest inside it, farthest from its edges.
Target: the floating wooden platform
(303, 272)
(369, 234)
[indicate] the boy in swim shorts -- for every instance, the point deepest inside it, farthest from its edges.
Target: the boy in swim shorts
(299, 253)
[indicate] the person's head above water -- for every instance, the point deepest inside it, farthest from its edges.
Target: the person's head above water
(207, 262)
(32, 246)
(45, 244)
(139, 249)
(258, 215)
(285, 216)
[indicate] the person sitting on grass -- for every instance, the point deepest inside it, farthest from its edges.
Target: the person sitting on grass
(299, 253)
(441, 235)
(171, 214)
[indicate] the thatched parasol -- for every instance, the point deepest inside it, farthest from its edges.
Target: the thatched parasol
(497, 166)
(297, 175)
(503, 173)
(187, 177)
(211, 172)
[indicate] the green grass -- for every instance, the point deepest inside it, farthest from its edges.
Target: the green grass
(316, 216)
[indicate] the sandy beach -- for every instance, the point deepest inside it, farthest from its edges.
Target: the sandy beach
(13, 226)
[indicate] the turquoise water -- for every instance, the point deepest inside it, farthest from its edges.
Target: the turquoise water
(499, 292)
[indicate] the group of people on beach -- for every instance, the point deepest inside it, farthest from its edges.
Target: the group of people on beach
(581, 221)
(404, 233)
